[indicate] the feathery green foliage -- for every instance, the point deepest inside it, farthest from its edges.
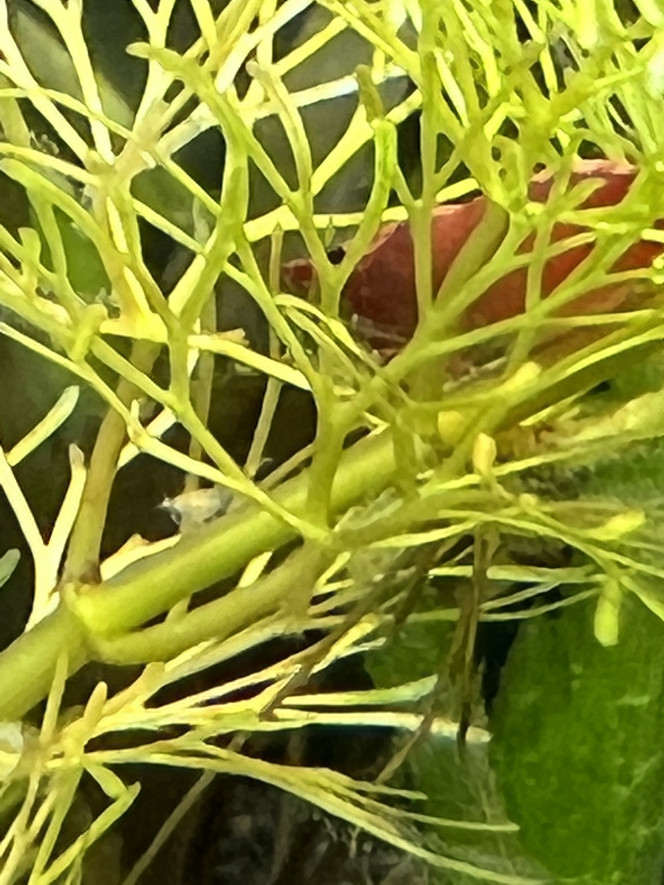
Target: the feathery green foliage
(409, 465)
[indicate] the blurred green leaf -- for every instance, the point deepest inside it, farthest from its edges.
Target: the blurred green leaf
(578, 749)
(7, 565)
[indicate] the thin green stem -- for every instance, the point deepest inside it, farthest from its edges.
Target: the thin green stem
(201, 387)
(82, 564)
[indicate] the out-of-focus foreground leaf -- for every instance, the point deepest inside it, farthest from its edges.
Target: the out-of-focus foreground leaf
(8, 563)
(578, 746)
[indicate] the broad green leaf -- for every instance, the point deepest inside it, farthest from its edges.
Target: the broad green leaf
(577, 746)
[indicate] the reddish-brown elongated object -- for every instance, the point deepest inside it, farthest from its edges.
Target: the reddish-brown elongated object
(381, 289)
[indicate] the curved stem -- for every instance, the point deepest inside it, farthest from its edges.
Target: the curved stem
(220, 549)
(222, 617)
(151, 587)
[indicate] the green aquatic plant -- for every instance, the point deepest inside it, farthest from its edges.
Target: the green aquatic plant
(425, 461)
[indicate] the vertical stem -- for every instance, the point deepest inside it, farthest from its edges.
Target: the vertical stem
(201, 388)
(82, 564)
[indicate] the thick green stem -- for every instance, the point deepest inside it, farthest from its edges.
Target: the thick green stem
(222, 617)
(220, 549)
(28, 664)
(151, 587)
